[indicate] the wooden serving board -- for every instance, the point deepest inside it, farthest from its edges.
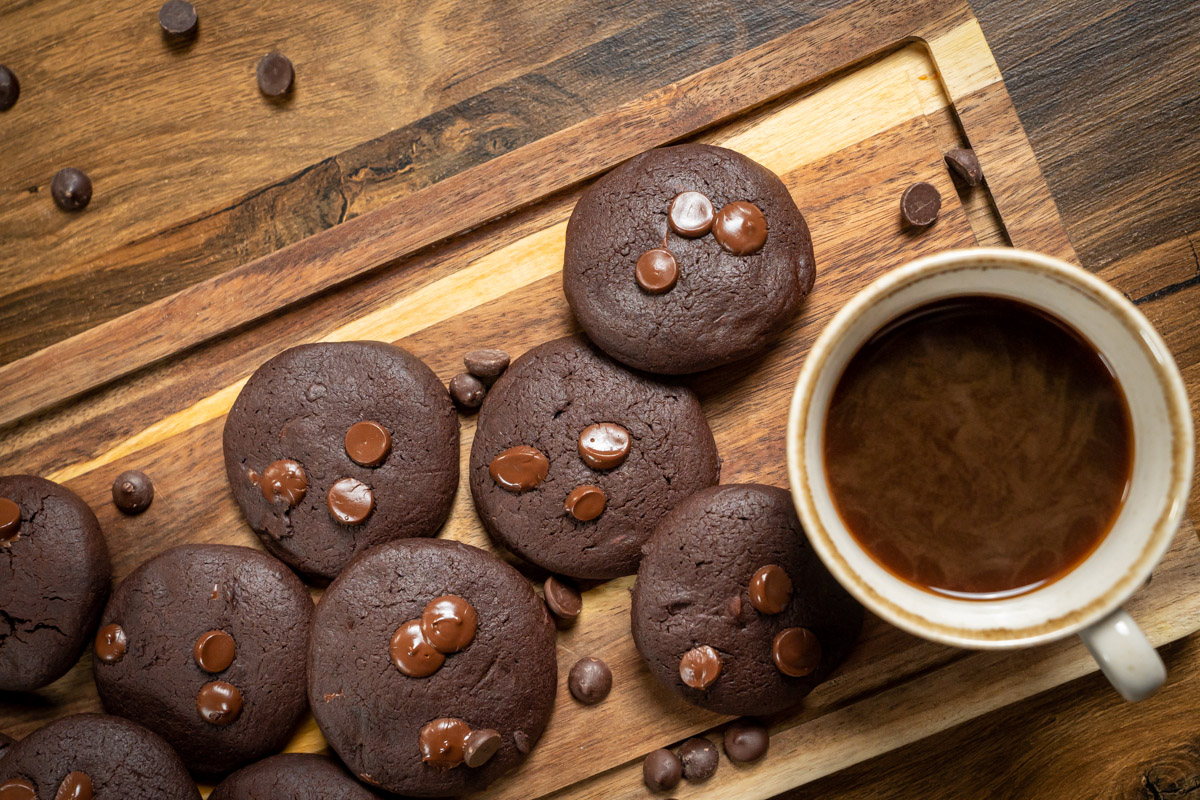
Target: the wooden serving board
(848, 111)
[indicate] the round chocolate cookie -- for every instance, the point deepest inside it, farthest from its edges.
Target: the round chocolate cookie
(615, 451)
(94, 756)
(55, 580)
(332, 448)
(685, 258)
(204, 644)
(733, 610)
(292, 776)
(431, 667)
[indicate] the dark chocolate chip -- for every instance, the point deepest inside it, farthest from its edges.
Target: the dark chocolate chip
(585, 503)
(76, 786)
(214, 651)
(656, 271)
(71, 189)
(519, 469)
(219, 703)
(442, 742)
(132, 492)
(480, 746)
(275, 75)
(965, 164)
(368, 443)
(10, 521)
(412, 654)
(350, 501)
(700, 667)
(770, 589)
(487, 365)
(563, 599)
(604, 445)
(111, 643)
(10, 88)
(467, 391)
(796, 652)
(740, 228)
(699, 757)
(178, 19)
(17, 789)
(920, 204)
(691, 214)
(448, 623)
(590, 681)
(281, 480)
(661, 770)
(746, 740)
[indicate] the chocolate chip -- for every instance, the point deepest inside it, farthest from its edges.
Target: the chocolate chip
(563, 599)
(17, 789)
(275, 75)
(350, 501)
(590, 681)
(519, 469)
(770, 589)
(111, 643)
(214, 651)
(661, 770)
(740, 228)
(467, 391)
(699, 757)
(10, 88)
(281, 480)
(521, 740)
(480, 746)
(178, 19)
(965, 164)
(690, 215)
(585, 503)
(656, 271)
(219, 703)
(71, 189)
(448, 623)
(700, 667)
(746, 740)
(368, 443)
(442, 742)
(604, 445)
(796, 652)
(920, 204)
(487, 365)
(76, 786)
(132, 492)
(412, 654)
(10, 521)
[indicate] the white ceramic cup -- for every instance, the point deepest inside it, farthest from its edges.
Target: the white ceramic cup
(1088, 599)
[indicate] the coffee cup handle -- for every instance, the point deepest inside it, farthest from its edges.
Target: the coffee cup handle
(1125, 655)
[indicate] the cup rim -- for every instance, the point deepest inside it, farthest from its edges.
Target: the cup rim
(1157, 539)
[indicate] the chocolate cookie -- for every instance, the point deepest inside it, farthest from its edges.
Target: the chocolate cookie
(606, 453)
(332, 448)
(292, 776)
(204, 644)
(431, 667)
(745, 629)
(686, 258)
(94, 755)
(56, 579)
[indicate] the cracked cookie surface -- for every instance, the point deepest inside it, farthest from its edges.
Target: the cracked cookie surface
(292, 776)
(546, 400)
(55, 578)
(299, 407)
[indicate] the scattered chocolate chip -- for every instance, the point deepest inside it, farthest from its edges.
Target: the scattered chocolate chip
(275, 75)
(590, 681)
(111, 643)
(71, 189)
(480, 746)
(965, 164)
(487, 365)
(656, 271)
(10, 88)
(281, 480)
(448, 623)
(796, 652)
(585, 503)
(920, 204)
(76, 786)
(700, 667)
(661, 770)
(10, 521)
(442, 742)
(350, 501)
(746, 740)
(691, 214)
(412, 654)
(699, 757)
(17, 789)
(740, 228)
(770, 589)
(178, 19)
(368, 443)
(467, 391)
(521, 740)
(214, 651)
(132, 492)
(563, 599)
(519, 469)
(219, 703)
(604, 445)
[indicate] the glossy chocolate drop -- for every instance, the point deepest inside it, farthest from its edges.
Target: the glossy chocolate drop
(442, 742)
(111, 643)
(76, 786)
(10, 521)
(796, 651)
(691, 214)
(282, 480)
(448, 623)
(480, 746)
(604, 445)
(519, 469)
(368, 443)
(740, 228)
(562, 598)
(585, 503)
(350, 501)
(17, 789)
(214, 651)
(412, 654)
(656, 271)
(700, 667)
(219, 703)
(770, 589)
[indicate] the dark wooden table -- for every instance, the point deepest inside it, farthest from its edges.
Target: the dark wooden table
(1108, 91)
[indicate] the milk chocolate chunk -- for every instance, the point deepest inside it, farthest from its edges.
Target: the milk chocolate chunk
(17, 789)
(740, 228)
(590, 681)
(604, 445)
(219, 703)
(275, 75)
(282, 480)
(746, 740)
(412, 654)
(132, 492)
(563, 599)
(467, 391)
(519, 469)
(178, 19)
(585, 503)
(71, 189)
(368, 443)
(770, 589)
(487, 364)
(796, 651)
(10, 521)
(443, 741)
(656, 271)
(76, 786)
(661, 770)
(111, 643)
(700, 667)
(965, 164)
(214, 651)
(10, 88)
(448, 623)
(350, 501)
(480, 746)
(920, 204)
(691, 214)
(699, 757)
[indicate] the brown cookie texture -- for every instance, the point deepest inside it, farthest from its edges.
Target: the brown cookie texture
(121, 759)
(293, 776)
(723, 307)
(372, 714)
(545, 400)
(299, 406)
(173, 600)
(54, 584)
(692, 590)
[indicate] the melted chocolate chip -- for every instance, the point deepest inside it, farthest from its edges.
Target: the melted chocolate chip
(700, 667)
(275, 75)
(214, 651)
(920, 204)
(740, 228)
(71, 189)
(770, 589)
(796, 651)
(965, 164)
(480, 746)
(10, 521)
(76, 786)
(368, 443)
(657, 271)
(412, 654)
(282, 480)
(350, 501)
(746, 740)
(111, 643)
(590, 681)
(585, 503)
(448, 623)
(519, 469)
(661, 770)
(691, 214)
(219, 703)
(563, 599)
(17, 789)
(10, 88)
(132, 492)
(178, 19)
(604, 445)
(442, 742)
(700, 758)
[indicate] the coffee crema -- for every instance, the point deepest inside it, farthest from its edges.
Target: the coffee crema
(978, 447)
